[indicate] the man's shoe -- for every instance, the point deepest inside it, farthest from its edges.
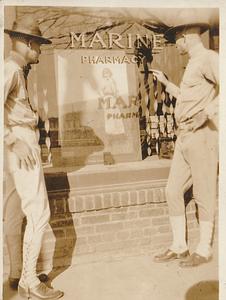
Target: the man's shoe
(41, 291)
(169, 255)
(194, 260)
(13, 282)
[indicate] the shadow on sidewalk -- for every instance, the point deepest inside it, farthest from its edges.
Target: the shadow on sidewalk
(204, 290)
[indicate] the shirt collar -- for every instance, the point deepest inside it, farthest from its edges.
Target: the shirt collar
(196, 50)
(18, 58)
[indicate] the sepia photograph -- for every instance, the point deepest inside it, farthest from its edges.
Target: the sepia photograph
(110, 148)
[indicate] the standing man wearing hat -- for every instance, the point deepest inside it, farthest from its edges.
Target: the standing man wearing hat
(24, 190)
(195, 160)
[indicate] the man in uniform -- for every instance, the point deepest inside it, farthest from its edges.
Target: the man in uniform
(195, 160)
(24, 186)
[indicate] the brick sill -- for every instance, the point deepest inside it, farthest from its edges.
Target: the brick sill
(147, 171)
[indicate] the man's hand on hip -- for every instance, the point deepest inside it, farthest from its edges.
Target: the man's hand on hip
(24, 153)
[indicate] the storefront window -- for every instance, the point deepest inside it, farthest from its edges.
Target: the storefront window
(91, 107)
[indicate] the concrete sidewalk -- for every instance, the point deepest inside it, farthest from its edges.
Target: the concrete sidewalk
(135, 278)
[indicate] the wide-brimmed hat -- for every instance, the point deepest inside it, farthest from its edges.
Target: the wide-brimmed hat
(187, 18)
(27, 27)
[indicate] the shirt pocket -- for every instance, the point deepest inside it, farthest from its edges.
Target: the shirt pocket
(22, 93)
(23, 99)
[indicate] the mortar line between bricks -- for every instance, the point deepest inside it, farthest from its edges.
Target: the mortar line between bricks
(121, 206)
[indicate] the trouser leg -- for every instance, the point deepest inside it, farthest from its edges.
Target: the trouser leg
(178, 182)
(203, 157)
(30, 186)
(12, 226)
(14, 246)
(204, 164)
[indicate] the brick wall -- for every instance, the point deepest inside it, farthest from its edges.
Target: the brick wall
(100, 223)
(92, 224)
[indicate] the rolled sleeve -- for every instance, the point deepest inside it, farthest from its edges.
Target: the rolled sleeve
(172, 89)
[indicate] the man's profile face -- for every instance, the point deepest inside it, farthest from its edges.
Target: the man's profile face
(34, 52)
(181, 43)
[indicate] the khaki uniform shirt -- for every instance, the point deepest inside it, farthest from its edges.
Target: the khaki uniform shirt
(198, 88)
(17, 109)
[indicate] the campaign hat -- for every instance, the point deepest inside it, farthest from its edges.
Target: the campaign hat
(186, 19)
(28, 28)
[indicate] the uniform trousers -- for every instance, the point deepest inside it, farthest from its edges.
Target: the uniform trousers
(25, 195)
(195, 162)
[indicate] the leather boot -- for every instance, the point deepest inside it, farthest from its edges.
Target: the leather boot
(41, 291)
(194, 261)
(169, 255)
